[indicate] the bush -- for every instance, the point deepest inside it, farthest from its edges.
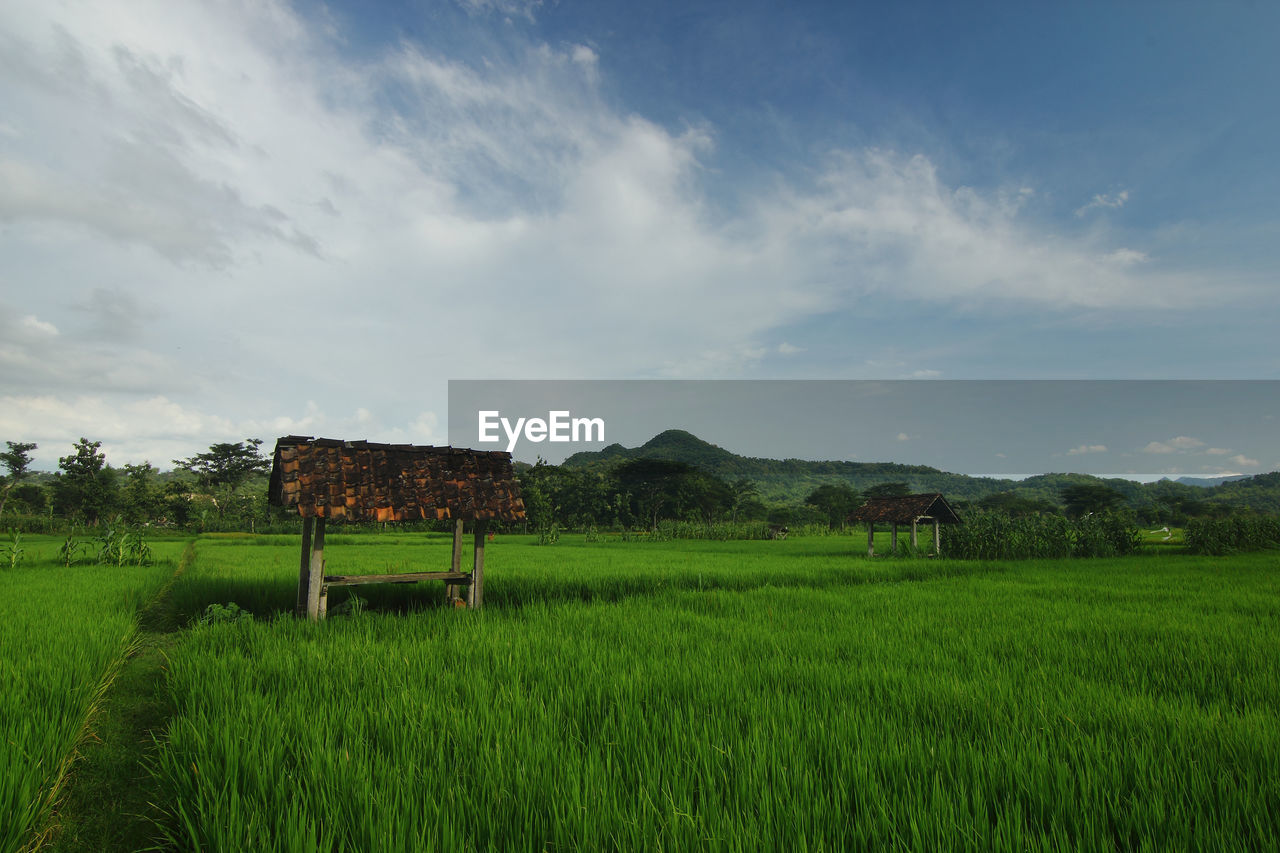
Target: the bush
(996, 536)
(1218, 536)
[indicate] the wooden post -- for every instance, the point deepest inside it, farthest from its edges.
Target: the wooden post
(914, 541)
(324, 601)
(315, 577)
(304, 567)
(451, 589)
(893, 539)
(937, 538)
(475, 593)
(871, 538)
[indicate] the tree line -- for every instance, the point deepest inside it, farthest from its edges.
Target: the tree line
(224, 488)
(638, 493)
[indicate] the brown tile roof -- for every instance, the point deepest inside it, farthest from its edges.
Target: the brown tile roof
(905, 509)
(364, 481)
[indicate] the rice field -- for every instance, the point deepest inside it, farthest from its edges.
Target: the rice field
(64, 631)
(738, 695)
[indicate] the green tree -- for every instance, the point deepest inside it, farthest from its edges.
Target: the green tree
(141, 500)
(85, 487)
(745, 502)
(835, 501)
(888, 490)
(1085, 498)
(176, 500)
(1015, 505)
(657, 488)
(16, 460)
(225, 467)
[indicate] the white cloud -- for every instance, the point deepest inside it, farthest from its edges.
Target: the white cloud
(1218, 451)
(507, 8)
(1101, 200)
(1178, 444)
(1243, 461)
(1087, 448)
(892, 218)
(31, 323)
(213, 205)
(159, 429)
(902, 436)
(926, 374)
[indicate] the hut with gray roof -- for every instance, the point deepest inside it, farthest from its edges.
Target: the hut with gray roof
(905, 509)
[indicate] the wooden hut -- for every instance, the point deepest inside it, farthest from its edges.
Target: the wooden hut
(325, 479)
(906, 509)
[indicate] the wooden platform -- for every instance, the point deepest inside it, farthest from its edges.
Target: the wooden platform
(403, 577)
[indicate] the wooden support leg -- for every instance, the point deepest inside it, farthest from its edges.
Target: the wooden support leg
(893, 539)
(475, 593)
(304, 568)
(315, 578)
(937, 538)
(451, 589)
(324, 601)
(914, 539)
(871, 538)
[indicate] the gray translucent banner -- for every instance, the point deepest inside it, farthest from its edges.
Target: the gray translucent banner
(1132, 428)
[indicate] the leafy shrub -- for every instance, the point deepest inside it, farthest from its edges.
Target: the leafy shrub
(1218, 536)
(120, 546)
(997, 536)
(224, 614)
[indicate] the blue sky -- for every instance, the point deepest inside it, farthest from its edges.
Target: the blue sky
(231, 219)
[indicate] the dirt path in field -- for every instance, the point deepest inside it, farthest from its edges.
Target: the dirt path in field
(108, 804)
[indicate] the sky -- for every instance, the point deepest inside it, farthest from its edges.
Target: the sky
(1138, 429)
(222, 220)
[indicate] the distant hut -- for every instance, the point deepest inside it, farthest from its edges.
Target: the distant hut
(356, 481)
(906, 509)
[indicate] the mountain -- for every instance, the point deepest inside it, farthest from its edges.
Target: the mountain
(1209, 482)
(786, 480)
(791, 480)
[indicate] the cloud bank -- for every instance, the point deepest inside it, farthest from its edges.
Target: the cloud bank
(216, 213)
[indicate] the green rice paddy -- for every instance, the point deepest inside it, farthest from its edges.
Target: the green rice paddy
(64, 632)
(690, 695)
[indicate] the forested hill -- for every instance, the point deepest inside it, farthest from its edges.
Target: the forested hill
(790, 480)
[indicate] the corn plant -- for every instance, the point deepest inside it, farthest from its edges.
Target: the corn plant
(14, 553)
(997, 536)
(69, 553)
(119, 546)
(1221, 536)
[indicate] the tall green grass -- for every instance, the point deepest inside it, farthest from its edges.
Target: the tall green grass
(64, 631)
(741, 696)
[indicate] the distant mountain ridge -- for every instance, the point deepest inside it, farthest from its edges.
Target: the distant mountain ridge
(1210, 482)
(790, 480)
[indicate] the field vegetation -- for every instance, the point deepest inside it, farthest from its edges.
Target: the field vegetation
(64, 633)
(654, 668)
(693, 694)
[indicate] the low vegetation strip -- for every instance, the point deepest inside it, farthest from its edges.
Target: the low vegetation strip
(64, 631)
(1232, 535)
(997, 536)
(1099, 704)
